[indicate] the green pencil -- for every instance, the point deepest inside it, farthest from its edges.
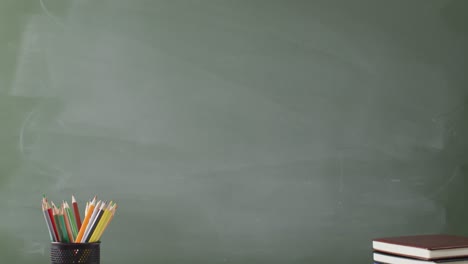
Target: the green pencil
(63, 227)
(72, 219)
(57, 222)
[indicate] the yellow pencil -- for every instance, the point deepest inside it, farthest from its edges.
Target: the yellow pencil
(101, 223)
(108, 220)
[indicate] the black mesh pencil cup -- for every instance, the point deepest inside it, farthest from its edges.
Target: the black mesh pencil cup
(68, 253)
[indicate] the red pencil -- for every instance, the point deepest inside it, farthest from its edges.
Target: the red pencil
(52, 219)
(76, 212)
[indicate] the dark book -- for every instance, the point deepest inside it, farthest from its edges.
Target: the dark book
(381, 258)
(426, 247)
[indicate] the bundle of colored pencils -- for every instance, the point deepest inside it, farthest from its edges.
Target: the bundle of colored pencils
(65, 225)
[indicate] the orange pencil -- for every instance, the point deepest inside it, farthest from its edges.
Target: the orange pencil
(86, 220)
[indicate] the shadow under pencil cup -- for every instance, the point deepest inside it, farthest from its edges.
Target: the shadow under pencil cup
(75, 253)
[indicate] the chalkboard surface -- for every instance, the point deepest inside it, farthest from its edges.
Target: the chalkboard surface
(241, 131)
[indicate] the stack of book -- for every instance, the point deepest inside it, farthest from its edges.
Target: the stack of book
(421, 249)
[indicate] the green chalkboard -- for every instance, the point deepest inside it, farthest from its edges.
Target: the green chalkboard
(248, 131)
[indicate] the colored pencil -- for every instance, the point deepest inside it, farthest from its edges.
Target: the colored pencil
(86, 221)
(101, 223)
(58, 224)
(52, 220)
(109, 219)
(67, 223)
(62, 223)
(91, 220)
(71, 219)
(96, 222)
(63, 227)
(76, 213)
(54, 223)
(47, 219)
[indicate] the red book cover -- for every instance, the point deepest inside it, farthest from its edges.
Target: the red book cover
(431, 242)
(434, 246)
